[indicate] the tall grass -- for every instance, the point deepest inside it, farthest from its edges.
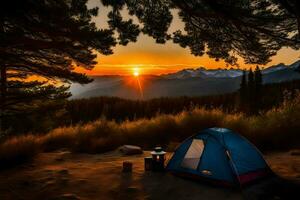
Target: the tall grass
(18, 149)
(276, 129)
(58, 113)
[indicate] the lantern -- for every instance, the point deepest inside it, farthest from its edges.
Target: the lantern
(158, 159)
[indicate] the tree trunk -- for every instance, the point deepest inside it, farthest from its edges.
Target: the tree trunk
(297, 13)
(298, 22)
(3, 90)
(3, 78)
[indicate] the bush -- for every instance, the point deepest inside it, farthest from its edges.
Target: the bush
(18, 150)
(276, 129)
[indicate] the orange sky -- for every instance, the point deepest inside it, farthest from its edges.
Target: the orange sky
(154, 58)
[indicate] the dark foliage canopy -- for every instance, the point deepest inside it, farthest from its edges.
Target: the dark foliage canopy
(224, 29)
(47, 39)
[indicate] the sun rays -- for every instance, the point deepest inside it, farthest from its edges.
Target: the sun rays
(136, 74)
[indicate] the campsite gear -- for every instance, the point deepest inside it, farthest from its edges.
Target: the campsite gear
(219, 156)
(158, 159)
(127, 166)
(131, 149)
(148, 163)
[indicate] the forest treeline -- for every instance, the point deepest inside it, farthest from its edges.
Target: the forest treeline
(250, 92)
(53, 114)
(275, 129)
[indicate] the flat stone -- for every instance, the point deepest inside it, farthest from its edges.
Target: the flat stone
(132, 189)
(68, 197)
(63, 172)
(130, 149)
(295, 152)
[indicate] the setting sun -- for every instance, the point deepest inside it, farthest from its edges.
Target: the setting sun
(136, 72)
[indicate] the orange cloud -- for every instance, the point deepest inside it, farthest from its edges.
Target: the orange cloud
(155, 58)
(121, 63)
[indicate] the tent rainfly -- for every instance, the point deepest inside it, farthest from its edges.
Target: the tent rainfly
(220, 156)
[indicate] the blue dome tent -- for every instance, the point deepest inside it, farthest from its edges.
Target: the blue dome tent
(219, 156)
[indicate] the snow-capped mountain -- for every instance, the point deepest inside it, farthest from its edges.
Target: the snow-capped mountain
(274, 68)
(295, 65)
(202, 72)
(187, 82)
(222, 73)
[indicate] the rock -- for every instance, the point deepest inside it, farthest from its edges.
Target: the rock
(59, 159)
(295, 152)
(131, 150)
(63, 155)
(26, 183)
(32, 165)
(64, 181)
(68, 197)
(49, 183)
(127, 166)
(63, 172)
(132, 189)
(82, 181)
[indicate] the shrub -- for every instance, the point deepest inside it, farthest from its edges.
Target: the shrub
(18, 150)
(275, 129)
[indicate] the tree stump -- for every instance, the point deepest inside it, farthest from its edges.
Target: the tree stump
(127, 166)
(148, 163)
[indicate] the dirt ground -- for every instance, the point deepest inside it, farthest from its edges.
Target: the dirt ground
(66, 176)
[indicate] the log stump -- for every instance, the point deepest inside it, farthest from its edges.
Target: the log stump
(127, 166)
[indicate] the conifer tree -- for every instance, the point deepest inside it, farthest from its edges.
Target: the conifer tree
(258, 78)
(48, 40)
(258, 86)
(243, 90)
(244, 81)
(251, 79)
(251, 90)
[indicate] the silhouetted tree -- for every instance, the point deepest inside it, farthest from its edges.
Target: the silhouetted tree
(224, 29)
(251, 90)
(258, 78)
(254, 29)
(48, 39)
(243, 91)
(258, 87)
(251, 83)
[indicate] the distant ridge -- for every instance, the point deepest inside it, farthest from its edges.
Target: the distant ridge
(202, 72)
(187, 82)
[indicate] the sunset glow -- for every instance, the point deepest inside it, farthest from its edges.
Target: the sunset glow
(136, 72)
(136, 81)
(166, 60)
(156, 59)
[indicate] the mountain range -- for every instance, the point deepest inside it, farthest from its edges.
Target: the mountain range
(186, 82)
(202, 72)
